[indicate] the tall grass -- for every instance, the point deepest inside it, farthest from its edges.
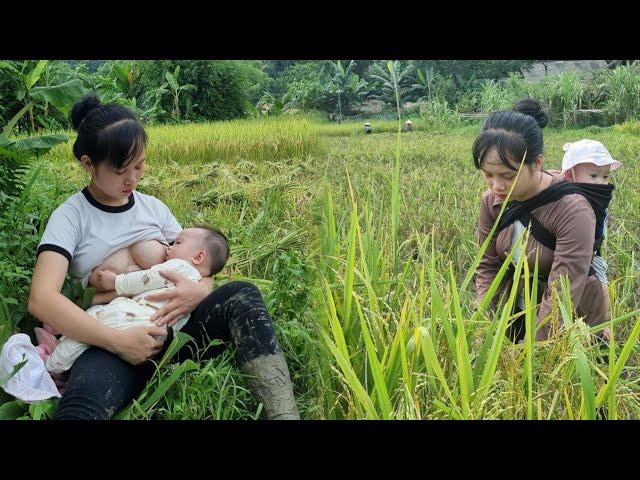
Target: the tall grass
(386, 224)
(249, 178)
(613, 94)
(623, 93)
(421, 347)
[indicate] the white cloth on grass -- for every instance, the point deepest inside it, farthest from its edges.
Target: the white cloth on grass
(32, 382)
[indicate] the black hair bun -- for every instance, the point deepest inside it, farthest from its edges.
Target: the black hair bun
(532, 108)
(82, 108)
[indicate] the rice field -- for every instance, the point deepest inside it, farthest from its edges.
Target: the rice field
(404, 338)
(364, 248)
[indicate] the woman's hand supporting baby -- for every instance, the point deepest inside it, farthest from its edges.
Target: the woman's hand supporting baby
(182, 300)
(138, 344)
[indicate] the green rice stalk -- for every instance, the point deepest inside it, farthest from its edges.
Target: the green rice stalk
(380, 385)
(628, 347)
(588, 410)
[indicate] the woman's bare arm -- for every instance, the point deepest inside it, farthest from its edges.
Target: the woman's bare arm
(51, 307)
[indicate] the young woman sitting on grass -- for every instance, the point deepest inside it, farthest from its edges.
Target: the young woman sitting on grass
(109, 215)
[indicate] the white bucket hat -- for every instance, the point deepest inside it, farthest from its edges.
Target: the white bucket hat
(587, 151)
(32, 382)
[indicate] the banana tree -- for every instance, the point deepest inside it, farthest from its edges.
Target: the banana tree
(383, 77)
(150, 106)
(115, 82)
(356, 88)
(425, 81)
(125, 78)
(175, 89)
(344, 81)
(38, 145)
(61, 96)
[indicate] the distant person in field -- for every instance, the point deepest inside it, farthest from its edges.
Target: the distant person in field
(109, 215)
(563, 217)
(196, 253)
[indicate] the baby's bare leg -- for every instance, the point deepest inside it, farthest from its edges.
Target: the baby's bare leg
(147, 254)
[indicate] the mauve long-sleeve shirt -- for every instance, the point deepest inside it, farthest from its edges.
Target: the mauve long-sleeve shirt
(572, 220)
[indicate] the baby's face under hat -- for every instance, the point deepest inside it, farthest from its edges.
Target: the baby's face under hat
(587, 151)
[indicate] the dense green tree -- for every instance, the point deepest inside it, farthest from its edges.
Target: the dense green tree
(303, 85)
(9, 85)
(222, 86)
(92, 65)
(464, 70)
(452, 80)
(36, 90)
(275, 68)
(361, 67)
(385, 82)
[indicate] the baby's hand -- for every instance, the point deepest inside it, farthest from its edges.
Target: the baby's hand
(107, 280)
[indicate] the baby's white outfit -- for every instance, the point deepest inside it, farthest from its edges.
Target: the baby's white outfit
(122, 312)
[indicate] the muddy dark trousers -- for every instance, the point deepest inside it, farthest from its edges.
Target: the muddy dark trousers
(236, 312)
(101, 383)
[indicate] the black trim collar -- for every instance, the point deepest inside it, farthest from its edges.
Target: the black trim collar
(108, 208)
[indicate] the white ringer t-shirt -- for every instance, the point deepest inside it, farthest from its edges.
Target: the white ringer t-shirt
(86, 232)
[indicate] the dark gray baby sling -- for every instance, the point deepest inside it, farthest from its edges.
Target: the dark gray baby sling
(598, 197)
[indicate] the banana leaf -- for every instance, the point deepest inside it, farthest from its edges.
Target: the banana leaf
(39, 145)
(61, 96)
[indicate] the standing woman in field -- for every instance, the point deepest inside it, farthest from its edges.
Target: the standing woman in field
(562, 217)
(109, 215)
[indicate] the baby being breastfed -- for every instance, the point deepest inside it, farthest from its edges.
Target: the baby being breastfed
(134, 274)
(139, 256)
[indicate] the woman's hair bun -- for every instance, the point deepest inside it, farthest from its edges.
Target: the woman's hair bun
(82, 108)
(532, 108)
